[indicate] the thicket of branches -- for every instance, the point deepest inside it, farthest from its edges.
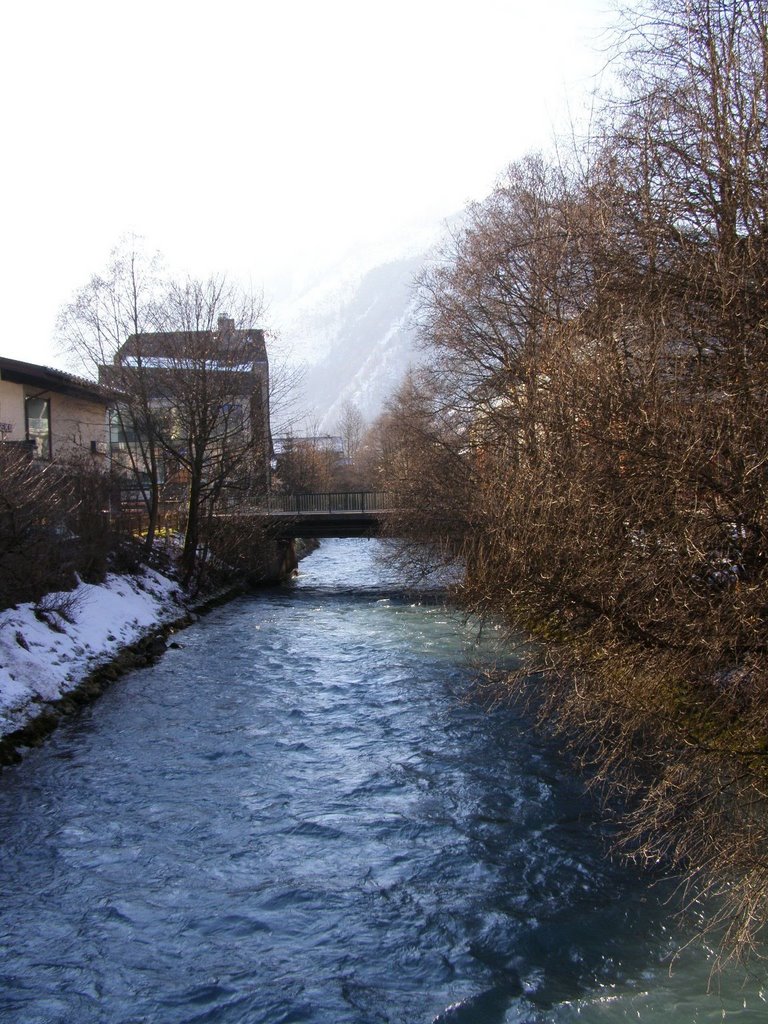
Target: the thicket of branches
(54, 523)
(313, 461)
(590, 430)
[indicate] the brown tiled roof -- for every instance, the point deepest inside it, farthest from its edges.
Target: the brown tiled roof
(47, 378)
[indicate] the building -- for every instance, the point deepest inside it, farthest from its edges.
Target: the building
(56, 414)
(198, 387)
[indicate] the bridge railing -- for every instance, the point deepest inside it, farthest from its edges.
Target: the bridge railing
(329, 502)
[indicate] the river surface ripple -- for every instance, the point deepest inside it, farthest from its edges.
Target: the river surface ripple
(300, 816)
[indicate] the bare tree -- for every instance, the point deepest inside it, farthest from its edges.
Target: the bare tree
(350, 428)
(126, 299)
(309, 460)
(206, 377)
(190, 367)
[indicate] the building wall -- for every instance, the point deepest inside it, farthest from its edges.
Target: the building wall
(12, 409)
(75, 422)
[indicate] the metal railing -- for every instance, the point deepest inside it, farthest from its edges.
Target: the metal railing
(329, 503)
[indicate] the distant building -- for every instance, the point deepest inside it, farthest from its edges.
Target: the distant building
(319, 442)
(55, 414)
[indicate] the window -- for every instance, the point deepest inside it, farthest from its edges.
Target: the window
(37, 412)
(121, 433)
(229, 421)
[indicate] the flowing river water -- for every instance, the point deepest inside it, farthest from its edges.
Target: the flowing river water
(302, 815)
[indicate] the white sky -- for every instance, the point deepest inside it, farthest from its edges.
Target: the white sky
(260, 138)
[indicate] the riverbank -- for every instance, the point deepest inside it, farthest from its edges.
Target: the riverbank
(61, 652)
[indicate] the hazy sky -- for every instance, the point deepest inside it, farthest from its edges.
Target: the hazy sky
(259, 138)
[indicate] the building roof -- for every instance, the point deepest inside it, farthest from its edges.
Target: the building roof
(46, 378)
(225, 344)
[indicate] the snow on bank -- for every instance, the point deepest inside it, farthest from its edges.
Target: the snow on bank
(44, 656)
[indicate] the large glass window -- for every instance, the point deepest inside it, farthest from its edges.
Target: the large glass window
(38, 416)
(121, 432)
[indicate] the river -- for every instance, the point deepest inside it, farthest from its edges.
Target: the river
(301, 814)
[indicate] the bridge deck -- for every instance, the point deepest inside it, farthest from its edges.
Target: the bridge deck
(327, 514)
(324, 524)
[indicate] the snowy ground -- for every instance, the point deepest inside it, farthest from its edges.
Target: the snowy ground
(44, 656)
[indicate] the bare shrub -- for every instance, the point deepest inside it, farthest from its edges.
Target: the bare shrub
(58, 607)
(54, 524)
(34, 504)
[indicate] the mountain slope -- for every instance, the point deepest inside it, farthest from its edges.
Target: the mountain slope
(354, 329)
(373, 344)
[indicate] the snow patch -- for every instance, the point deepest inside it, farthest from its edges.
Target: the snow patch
(44, 655)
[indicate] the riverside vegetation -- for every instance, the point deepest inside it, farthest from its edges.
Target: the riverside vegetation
(588, 430)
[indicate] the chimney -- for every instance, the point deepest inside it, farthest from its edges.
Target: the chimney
(226, 324)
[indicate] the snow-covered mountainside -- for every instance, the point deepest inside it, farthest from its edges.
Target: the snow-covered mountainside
(354, 329)
(372, 347)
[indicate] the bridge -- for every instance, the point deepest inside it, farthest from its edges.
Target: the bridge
(328, 514)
